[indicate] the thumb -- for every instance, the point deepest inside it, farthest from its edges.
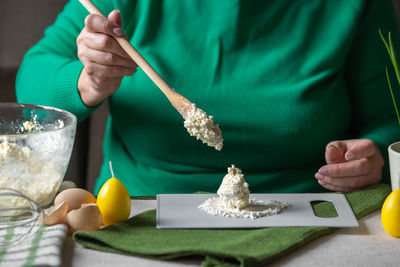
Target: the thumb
(334, 153)
(115, 17)
(362, 148)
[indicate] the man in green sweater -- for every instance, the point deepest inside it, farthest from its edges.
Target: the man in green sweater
(298, 88)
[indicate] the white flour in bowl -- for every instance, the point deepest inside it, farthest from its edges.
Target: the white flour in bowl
(233, 200)
(201, 126)
(21, 169)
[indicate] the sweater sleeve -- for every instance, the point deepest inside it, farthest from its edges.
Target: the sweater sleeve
(50, 69)
(374, 115)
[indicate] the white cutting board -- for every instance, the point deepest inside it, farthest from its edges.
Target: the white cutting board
(180, 211)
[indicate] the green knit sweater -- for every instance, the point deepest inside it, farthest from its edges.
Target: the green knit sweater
(282, 78)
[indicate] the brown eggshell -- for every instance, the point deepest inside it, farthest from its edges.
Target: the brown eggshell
(75, 197)
(87, 218)
(56, 214)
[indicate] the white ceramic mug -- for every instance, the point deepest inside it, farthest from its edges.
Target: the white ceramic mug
(394, 164)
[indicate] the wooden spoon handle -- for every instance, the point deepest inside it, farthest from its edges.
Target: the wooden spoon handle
(134, 54)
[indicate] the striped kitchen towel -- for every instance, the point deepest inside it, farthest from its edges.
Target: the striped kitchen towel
(43, 248)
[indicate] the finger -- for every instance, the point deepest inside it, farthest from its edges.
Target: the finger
(362, 149)
(99, 41)
(334, 153)
(97, 23)
(350, 168)
(353, 182)
(115, 17)
(336, 188)
(100, 73)
(106, 58)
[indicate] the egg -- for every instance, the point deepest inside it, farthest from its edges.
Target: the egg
(86, 218)
(390, 214)
(114, 202)
(56, 214)
(75, 197)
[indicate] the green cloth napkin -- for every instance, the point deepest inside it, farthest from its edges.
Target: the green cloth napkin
(138, 236)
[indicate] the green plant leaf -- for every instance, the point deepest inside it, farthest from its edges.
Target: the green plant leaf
(394, 57)
(391, 92)
(386, 43)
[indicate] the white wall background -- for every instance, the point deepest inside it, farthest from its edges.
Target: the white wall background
(22, 23)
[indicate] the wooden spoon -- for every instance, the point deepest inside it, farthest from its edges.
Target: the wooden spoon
(181, 104)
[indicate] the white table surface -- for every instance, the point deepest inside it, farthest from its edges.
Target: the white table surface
(366, 245)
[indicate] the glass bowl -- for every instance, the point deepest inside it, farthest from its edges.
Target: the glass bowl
(35, 148)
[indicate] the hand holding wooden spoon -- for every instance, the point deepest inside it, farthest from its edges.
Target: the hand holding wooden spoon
(178, 101)
(105, 62)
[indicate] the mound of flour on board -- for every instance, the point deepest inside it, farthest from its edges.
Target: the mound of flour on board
(233, 200)
(202, 126)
